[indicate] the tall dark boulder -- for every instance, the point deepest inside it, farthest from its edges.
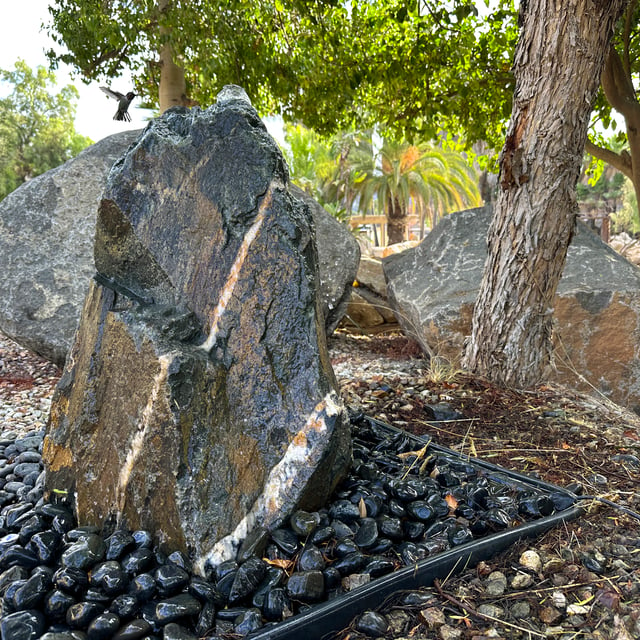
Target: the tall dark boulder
(198, 399)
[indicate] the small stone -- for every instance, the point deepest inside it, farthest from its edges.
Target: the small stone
(553, 565)
(22, 625)
(133, 630)
(304, 523)
(398, 621)
(432, 617)
(521, 610)
(496, 584)
(84, 553)
(174, 631)
(372, 624)
(181, 606)
(170, 579)
(521, 580)
(559, 600)
(449, 633)
(248, 621)
(247, 579)
(491, 610)
(103, 627)
(355, 580)
(577, 610)
(550, 615)
(307, 586)
(531, 560)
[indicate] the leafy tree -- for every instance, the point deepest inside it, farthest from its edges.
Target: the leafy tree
(311, 160)
(627, 217)
(420, 66)
(36, 126)
(345, 172)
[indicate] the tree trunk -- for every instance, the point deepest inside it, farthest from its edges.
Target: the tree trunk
(618, 88)
(396, 220)
(172, 90)
(558, 62)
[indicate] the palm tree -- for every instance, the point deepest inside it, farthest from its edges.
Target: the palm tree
(432, 180)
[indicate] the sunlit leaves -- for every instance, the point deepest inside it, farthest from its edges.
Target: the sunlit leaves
(36, 125)
(329, 64)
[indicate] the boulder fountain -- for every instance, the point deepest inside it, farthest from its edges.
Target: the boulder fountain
(198, 399)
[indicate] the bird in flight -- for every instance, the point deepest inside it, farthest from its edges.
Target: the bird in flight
(124, 100)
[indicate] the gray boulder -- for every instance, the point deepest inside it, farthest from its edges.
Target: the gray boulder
(46, 238)
(198, 399)
(433, 288)
(47, 228)
(338, 258)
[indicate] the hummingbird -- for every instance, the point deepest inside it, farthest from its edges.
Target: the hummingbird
(124, 100)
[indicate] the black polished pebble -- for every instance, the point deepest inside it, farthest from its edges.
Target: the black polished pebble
(56, 604)
(84, 553)
(119, 543)
(250, 620)
(396, 507)
(133, 630)
(277, 605)
(103, 626)
(176, 608)
(306, 586)
(80, 614)
(247, 578)
(22, 625)
(372, 624)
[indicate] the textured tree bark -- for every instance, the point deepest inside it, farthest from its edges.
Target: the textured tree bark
(558, 63)
(396, 220)
(617, 85)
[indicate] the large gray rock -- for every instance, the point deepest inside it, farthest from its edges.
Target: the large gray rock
(338, 259)
(198, 399)
(46, 239)
(433, 288)
(47, 228)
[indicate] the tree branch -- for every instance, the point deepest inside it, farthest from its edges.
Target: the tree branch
(617, 85)
(620, 161)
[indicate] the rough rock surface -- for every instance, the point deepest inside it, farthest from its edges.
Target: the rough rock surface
(433, 287)
(47, 229)
(338, 259)
(46, 238)
(198, 398)
(368, 308)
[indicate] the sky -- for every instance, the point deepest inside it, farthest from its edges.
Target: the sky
(21, 37)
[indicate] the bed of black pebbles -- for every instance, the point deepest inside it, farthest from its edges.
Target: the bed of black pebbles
(401, 503)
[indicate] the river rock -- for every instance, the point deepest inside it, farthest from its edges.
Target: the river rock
(46, 243)
(198, 400)
(432, 289)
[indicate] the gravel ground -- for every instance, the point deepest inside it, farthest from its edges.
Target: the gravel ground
(581, 580)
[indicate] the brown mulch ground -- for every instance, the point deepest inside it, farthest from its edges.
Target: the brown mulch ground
(589, 583)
